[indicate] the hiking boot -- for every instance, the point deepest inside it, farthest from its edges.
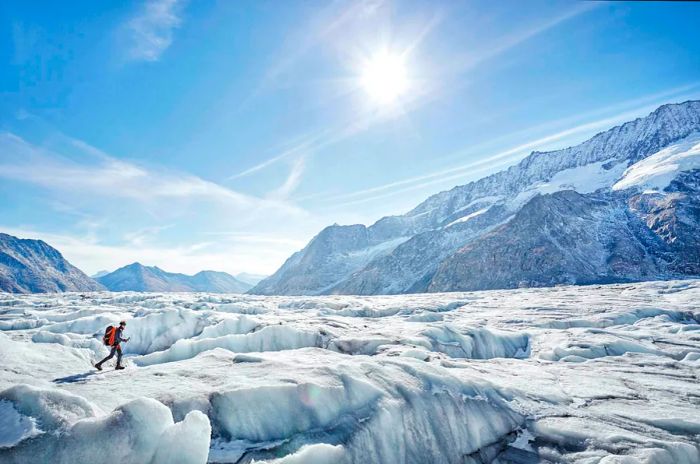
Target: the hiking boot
(118, 368)
(98, 367)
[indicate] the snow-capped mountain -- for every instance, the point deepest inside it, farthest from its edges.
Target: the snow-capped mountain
(33, 266)
(631, 212)
(139, 278)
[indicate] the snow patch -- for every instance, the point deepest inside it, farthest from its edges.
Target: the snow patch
(468, 217)
(658, 170)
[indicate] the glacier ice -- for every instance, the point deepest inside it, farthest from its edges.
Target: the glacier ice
(49, 409)
(565, 374)
(270, 338)
(186, 442)
(320, 453)
(14, 427)
(133, 433)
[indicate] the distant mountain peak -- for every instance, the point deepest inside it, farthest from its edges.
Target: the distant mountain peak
(140, 278)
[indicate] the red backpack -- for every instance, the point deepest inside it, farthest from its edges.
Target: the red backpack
(110, 333)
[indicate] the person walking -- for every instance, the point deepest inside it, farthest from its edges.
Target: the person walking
(114, 339)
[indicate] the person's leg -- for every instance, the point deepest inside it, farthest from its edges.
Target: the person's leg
(111, 355)
(119, 356)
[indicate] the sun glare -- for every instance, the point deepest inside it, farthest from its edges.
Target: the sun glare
(384, 78)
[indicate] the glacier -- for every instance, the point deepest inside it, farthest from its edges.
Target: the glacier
(574, 374)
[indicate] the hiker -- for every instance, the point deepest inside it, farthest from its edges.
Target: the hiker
(113, 338)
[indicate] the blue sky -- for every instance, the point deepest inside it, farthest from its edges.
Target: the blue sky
(224, 135)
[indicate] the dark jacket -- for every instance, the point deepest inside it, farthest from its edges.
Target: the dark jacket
(118, 336)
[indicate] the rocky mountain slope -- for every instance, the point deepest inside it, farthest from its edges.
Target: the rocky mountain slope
(32, 266)
(139, 278)
(621, 206)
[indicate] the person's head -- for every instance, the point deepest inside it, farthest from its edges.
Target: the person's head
(122, 324)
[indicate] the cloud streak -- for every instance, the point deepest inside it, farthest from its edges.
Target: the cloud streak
(292, 182)
(92, 256)
(522, 35)
(111, 212)
(103, 176)
(151, 30)
(475, 169)
(313, 144)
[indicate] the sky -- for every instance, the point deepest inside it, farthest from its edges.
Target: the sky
(224, 135)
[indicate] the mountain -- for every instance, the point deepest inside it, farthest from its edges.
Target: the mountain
(99, 274)
(251, 279)
(139, 278)
(621, 206)
(33, 266)
(218, 282)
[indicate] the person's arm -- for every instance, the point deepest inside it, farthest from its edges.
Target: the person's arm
(119, 337)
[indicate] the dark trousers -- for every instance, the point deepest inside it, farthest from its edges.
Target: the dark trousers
(115, 349)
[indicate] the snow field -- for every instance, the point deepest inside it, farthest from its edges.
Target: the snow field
(566, 374)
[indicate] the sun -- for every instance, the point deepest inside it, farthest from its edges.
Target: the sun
(384, 77)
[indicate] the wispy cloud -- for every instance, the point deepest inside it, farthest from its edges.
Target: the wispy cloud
(110, 212)
(104, 176)
(488, 164)
(520, 36)
(292, 182)
(92, 256)
(144, 235)
(151, 30)
(301, 146)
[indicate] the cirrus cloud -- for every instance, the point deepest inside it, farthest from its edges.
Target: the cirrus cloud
(151, 31)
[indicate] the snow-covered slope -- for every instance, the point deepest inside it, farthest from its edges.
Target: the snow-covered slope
(139, 278)
(33, 266)
(411, 248)
(561, 375)
(657, 171)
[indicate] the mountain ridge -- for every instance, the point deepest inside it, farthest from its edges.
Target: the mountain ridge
(140, 278)
(34, 266)
(338, 259)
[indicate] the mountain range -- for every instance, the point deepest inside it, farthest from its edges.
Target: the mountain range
(139, 278)
(33, 266)
(621, 206)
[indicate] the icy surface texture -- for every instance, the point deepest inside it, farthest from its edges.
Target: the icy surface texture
(594, 374)
(140, 431)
